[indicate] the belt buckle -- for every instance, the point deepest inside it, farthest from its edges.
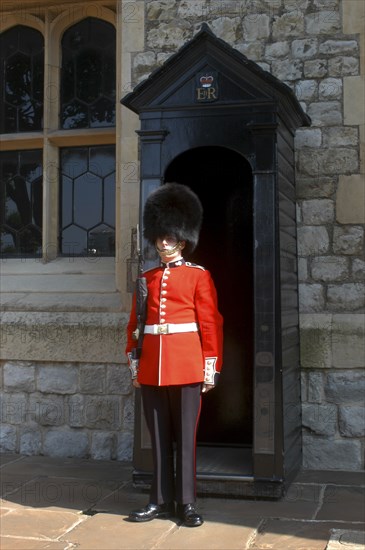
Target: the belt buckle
(163, 329)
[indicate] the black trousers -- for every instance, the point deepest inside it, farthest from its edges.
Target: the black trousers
(172, 415)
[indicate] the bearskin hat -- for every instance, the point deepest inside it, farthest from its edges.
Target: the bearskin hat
(173, 210)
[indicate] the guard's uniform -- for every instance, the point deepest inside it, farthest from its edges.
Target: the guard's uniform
(182, 348)
(183, 335)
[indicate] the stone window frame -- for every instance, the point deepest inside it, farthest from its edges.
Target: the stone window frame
(52, 20)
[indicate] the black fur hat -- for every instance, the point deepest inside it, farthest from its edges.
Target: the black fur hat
(173, 210)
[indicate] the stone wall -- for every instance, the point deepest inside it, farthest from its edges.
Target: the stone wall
(67, 410)
(317, 48)
(65, 385)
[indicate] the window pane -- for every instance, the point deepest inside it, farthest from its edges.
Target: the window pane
(22, 75)
(21, 203)
(88, 75)
(87, 216)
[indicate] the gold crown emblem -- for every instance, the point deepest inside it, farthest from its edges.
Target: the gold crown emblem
(206, 81)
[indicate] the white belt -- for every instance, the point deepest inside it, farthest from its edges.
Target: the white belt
(170, 328)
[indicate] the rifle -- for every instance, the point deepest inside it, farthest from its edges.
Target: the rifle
(141, 304)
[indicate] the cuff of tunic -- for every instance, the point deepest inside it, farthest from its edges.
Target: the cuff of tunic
(209, 370)
(133, 365)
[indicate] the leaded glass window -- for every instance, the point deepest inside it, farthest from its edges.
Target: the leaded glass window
(88, 75)
(21, 80)
(21, 203)
(87, 201)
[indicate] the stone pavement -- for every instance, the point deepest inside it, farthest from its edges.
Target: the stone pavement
(62, 504)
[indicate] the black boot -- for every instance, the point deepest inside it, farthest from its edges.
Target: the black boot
(188, 515)
(153, 511)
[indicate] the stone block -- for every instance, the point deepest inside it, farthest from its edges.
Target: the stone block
(228, 28)
(329, 268)
(354, 93)
(102, 445)
(46, 410)
(63, 336)
(348, 240)
(165, 10)
(302, 269)
(287, 69)
(125, 446)
(304, 48)
(187, 9)
(66, 443)
(307, 137)
(311, 297)
(30, 441)
(288, 24)
(276, 50)
(315, 341)
(317, 211)
(345, 387)
(325, 113)
(330, 89)
(315, 68)
(8, 439)
(339, 160)
(168, 35)
(343, 66)
(346, 297)
(315, 387)
(92, 378)
(19, 376)
(352, 421)
(320, 419)
(128, 413)
(15, 408)
(332, 47)
(76, 411)
(252, 50)
(358, 269)
(323, 22)
(343, 136)
(350, 204)
(95, 412)
(320, 186)
(143, 63)
(118, 380)
(348, 341)
(304, 385)
(58, 379)
(312, 240)
(256, 26)
(132, 26)
(336, 454)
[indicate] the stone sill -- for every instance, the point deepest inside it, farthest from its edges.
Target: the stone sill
(85, 337)
(65, 284)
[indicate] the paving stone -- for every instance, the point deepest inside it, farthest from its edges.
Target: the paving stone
(343, 503)
(13, 482)
(69, 467)
(211, 535)
(332, 477)
(119, 534)
(342, 539)
(40, 524)
(13, 543)
(278, 534)
(299, 502)
(55, 493)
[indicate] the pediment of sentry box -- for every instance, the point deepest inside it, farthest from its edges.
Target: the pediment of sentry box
(208, 71)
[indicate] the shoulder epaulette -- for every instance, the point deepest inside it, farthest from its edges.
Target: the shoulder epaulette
(151, 269)
(189, 264)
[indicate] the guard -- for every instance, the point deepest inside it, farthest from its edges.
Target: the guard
(181, 353)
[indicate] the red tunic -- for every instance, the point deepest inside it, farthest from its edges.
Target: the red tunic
(179, 292)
